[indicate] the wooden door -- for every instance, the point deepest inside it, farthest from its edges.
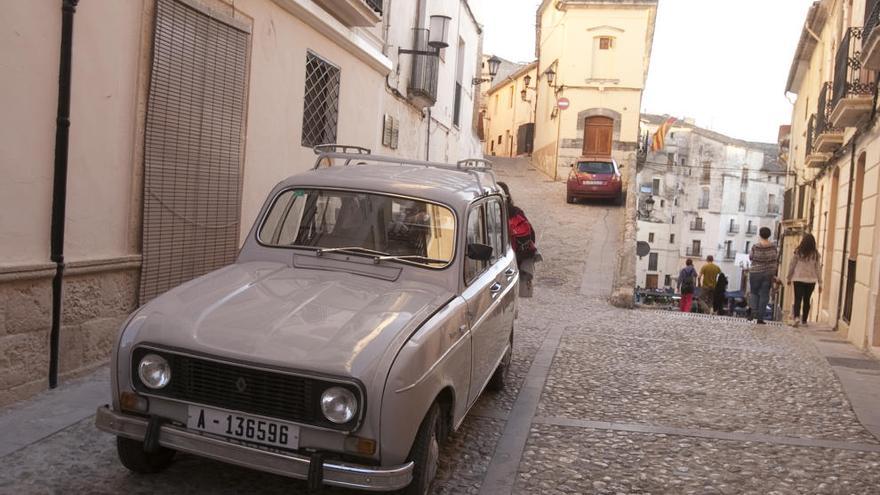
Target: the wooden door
(598, 135)
(651, 281)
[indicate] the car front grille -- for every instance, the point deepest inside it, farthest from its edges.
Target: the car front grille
(268, 393)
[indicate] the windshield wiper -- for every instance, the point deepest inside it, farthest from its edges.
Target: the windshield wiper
(352, 249)
(409, 257)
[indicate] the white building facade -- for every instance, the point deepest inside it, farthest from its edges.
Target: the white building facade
(711, 194)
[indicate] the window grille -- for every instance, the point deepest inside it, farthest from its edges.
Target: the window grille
(321, 106)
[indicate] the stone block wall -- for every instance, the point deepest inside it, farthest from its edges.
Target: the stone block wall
(97, 298)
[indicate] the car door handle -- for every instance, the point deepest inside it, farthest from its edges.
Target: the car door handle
(495, 289)
(509, 273)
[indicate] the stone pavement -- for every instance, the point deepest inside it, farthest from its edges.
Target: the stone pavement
(602, 400)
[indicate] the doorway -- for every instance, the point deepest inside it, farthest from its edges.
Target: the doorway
(598, 136)
(651, 281)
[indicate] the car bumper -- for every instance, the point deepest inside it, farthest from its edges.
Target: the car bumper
(284, 464)
(594, 191)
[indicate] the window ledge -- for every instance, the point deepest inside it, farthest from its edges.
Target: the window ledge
(321, 21)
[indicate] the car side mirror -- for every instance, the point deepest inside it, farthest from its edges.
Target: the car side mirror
(479, 252)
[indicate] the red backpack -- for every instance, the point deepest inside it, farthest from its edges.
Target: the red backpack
(521, 235)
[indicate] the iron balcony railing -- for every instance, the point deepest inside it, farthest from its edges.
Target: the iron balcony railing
(694, 251)
(698, 225)
(823, 112)
(425, 68)
(376, 5)
(752, 230)
(811, 130)
(850, 79)
(733, 229)
(703, 204)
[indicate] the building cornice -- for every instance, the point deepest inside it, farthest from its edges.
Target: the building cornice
(815, 21)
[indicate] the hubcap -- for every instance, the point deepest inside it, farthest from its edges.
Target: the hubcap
(433, 455)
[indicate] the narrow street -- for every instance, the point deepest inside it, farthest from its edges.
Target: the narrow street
(601, 400)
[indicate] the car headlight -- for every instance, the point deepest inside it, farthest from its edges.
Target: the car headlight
(339, 405)
(154, 371)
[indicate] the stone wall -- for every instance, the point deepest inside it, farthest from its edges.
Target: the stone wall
(622, 293)
(97, 298)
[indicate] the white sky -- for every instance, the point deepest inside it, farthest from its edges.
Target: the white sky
(721, 62)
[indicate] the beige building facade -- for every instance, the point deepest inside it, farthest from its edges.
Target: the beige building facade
(834, 165)
(511, 114)
(184, 114)
(595, 54)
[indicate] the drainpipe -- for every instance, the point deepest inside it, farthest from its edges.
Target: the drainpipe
(428, 140)
(849, 194)
(59, 190)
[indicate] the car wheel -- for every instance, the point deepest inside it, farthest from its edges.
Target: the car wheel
(619, 200)
(569, 199)
(425, 452)
(499, 378)
(132, 456)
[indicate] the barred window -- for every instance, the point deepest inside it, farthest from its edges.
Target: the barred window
(321, 106)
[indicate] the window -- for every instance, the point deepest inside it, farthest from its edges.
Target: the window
(321, 105)
(499, 139)
(742, 201)
(748, 246)
(682, 162)
(595, 167)
(495, 228)
(652, 262)
(672, 220)
(606, 43)
(459, 72)
(662, 203)
(510, 97)
(745, 178)
(651, 237)
(667, 280)
(675, 201)
(670, 159)
(495, 104)
(671, 238)
(655, 188)
(322, 218)
(476, 233)
(707, 172)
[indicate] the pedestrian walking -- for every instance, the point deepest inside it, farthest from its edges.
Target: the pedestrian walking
(719, 301)
(708, 278)
(522, 238)
(762, 273)
(686, 283)
(804, 272)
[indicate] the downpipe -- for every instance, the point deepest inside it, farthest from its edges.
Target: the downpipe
(59, 188)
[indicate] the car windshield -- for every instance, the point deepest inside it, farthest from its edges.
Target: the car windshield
(373, 224)
(595, 167)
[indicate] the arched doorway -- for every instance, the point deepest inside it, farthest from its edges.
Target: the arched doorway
(598, 136)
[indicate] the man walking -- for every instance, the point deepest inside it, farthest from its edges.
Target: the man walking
(762, 273)
(708, 276)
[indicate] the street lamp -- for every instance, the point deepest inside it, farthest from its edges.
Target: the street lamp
(649, 205)
(523, 94)
(527, 79)
(439, 33)
(494, 65)
(551, 75)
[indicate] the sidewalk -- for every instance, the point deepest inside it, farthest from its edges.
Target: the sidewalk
(29, 422)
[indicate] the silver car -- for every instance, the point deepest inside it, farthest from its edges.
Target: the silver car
(372, 303)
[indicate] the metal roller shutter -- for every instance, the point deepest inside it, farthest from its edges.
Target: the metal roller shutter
(193, 147)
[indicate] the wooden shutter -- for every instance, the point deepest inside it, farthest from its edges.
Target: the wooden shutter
(193, 149)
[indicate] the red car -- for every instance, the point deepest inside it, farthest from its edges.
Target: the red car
(594, 178)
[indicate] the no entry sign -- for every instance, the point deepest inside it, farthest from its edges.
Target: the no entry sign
(562, 103)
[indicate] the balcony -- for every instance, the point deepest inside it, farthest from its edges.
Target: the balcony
(826, 138)
(729, 255)
(354, 13)
(694, 251)
(733, 229)
(752, 230)
(422, 90)
(698, 226)
(853, 89)
(814, 158)
(871, 36)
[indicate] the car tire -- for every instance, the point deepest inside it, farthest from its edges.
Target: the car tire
(569, 199)
(499, 378)
(425, 452)
(132, 456)
(619, 200)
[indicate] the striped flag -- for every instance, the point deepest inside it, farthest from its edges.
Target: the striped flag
(658, 141)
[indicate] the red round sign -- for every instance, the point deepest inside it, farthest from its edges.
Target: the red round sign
(562, 103)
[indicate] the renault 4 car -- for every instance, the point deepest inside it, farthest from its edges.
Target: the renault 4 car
(371, 304)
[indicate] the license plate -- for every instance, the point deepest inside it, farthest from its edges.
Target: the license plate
(593, 182)
(243, 427)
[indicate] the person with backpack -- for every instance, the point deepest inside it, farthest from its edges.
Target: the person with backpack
(804, 272)
(687, 281)
(522, 238)
(719, 295)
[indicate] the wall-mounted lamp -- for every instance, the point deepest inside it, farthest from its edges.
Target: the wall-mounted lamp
(550, 74)
(527, 79)
(439, 34)
(494, 65)
(523, 94)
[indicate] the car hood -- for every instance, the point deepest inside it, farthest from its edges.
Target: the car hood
(272, 314)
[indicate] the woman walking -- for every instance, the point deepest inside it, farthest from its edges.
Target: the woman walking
(761, 274)
(687, 278)
(804, 272)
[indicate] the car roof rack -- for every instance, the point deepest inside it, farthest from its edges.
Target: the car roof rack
(328, 153)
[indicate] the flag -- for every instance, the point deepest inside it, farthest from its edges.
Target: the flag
(658, 141)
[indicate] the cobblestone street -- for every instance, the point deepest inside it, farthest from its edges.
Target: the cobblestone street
(600, 400)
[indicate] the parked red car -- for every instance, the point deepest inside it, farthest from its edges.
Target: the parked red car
(594, 178)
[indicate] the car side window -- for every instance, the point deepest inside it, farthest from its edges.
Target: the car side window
(476, 233)
(495, 228)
